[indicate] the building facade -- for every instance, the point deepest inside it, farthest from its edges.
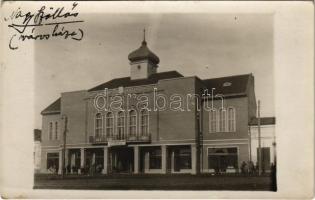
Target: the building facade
(150, 122)
(37, 150)
(268, 141)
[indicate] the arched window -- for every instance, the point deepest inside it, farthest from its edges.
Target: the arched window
(109, 124)
(213, 121)
(98, 125)
(144, 122)
(132, 123)
(50, 131)
(121, 125)
(231, 119)
(222, 120)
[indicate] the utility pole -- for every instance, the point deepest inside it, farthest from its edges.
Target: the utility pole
(64, 146)
(259, 141)
(197, 140)
(250, 143)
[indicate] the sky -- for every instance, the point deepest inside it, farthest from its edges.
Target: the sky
(203, 45)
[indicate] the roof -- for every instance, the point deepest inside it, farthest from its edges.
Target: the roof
(234, 85)
(228, 85)
(263, 121)
(53, 108)
(127, 82)
(142, 53)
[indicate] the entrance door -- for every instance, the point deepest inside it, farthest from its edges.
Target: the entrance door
(265, 158)
(121, 159)
(74, 160)
(94, 160)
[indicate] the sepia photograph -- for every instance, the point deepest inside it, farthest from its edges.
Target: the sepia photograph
(149, 104)
(145, 100)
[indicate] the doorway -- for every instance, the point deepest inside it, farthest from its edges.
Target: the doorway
(221, 159)
(121, 160)
(94, 160)
(265, 158)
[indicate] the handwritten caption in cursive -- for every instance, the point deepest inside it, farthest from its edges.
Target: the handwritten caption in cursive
(26, 25)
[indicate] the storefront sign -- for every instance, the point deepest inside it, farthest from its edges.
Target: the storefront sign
(116, 143)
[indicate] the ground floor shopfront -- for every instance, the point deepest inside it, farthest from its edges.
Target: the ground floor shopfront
(224, 156)
(134, 159)
(122, 159)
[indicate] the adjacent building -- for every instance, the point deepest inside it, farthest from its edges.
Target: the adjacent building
(267, 141)
(37, 150)
(151, 122)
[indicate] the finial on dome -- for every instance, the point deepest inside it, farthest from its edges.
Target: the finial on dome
(144, 42)
(143, 34)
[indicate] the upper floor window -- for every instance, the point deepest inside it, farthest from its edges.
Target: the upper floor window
(231, 119)
(212, 121)
(98, 125)
(50, 131)
(144, 119)
(121, 125)
(222, 120)
(56, 131)
(132, 123)
(109, 124)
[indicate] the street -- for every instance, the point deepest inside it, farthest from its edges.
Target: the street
(154, 182)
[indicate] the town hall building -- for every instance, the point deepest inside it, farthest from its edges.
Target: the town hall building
(181, 125)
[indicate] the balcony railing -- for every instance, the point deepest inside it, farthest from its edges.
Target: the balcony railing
(126, 138)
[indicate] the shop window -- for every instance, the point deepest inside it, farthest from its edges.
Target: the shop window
(155, 158)
(182, 158)
(220, 159)
(52, 162)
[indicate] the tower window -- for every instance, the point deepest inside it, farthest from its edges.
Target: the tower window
(139, 67)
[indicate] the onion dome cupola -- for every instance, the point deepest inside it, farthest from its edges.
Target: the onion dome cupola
(143, 53)
(143, 62)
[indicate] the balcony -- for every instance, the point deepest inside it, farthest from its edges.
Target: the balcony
(123, 138)
(139, 138)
